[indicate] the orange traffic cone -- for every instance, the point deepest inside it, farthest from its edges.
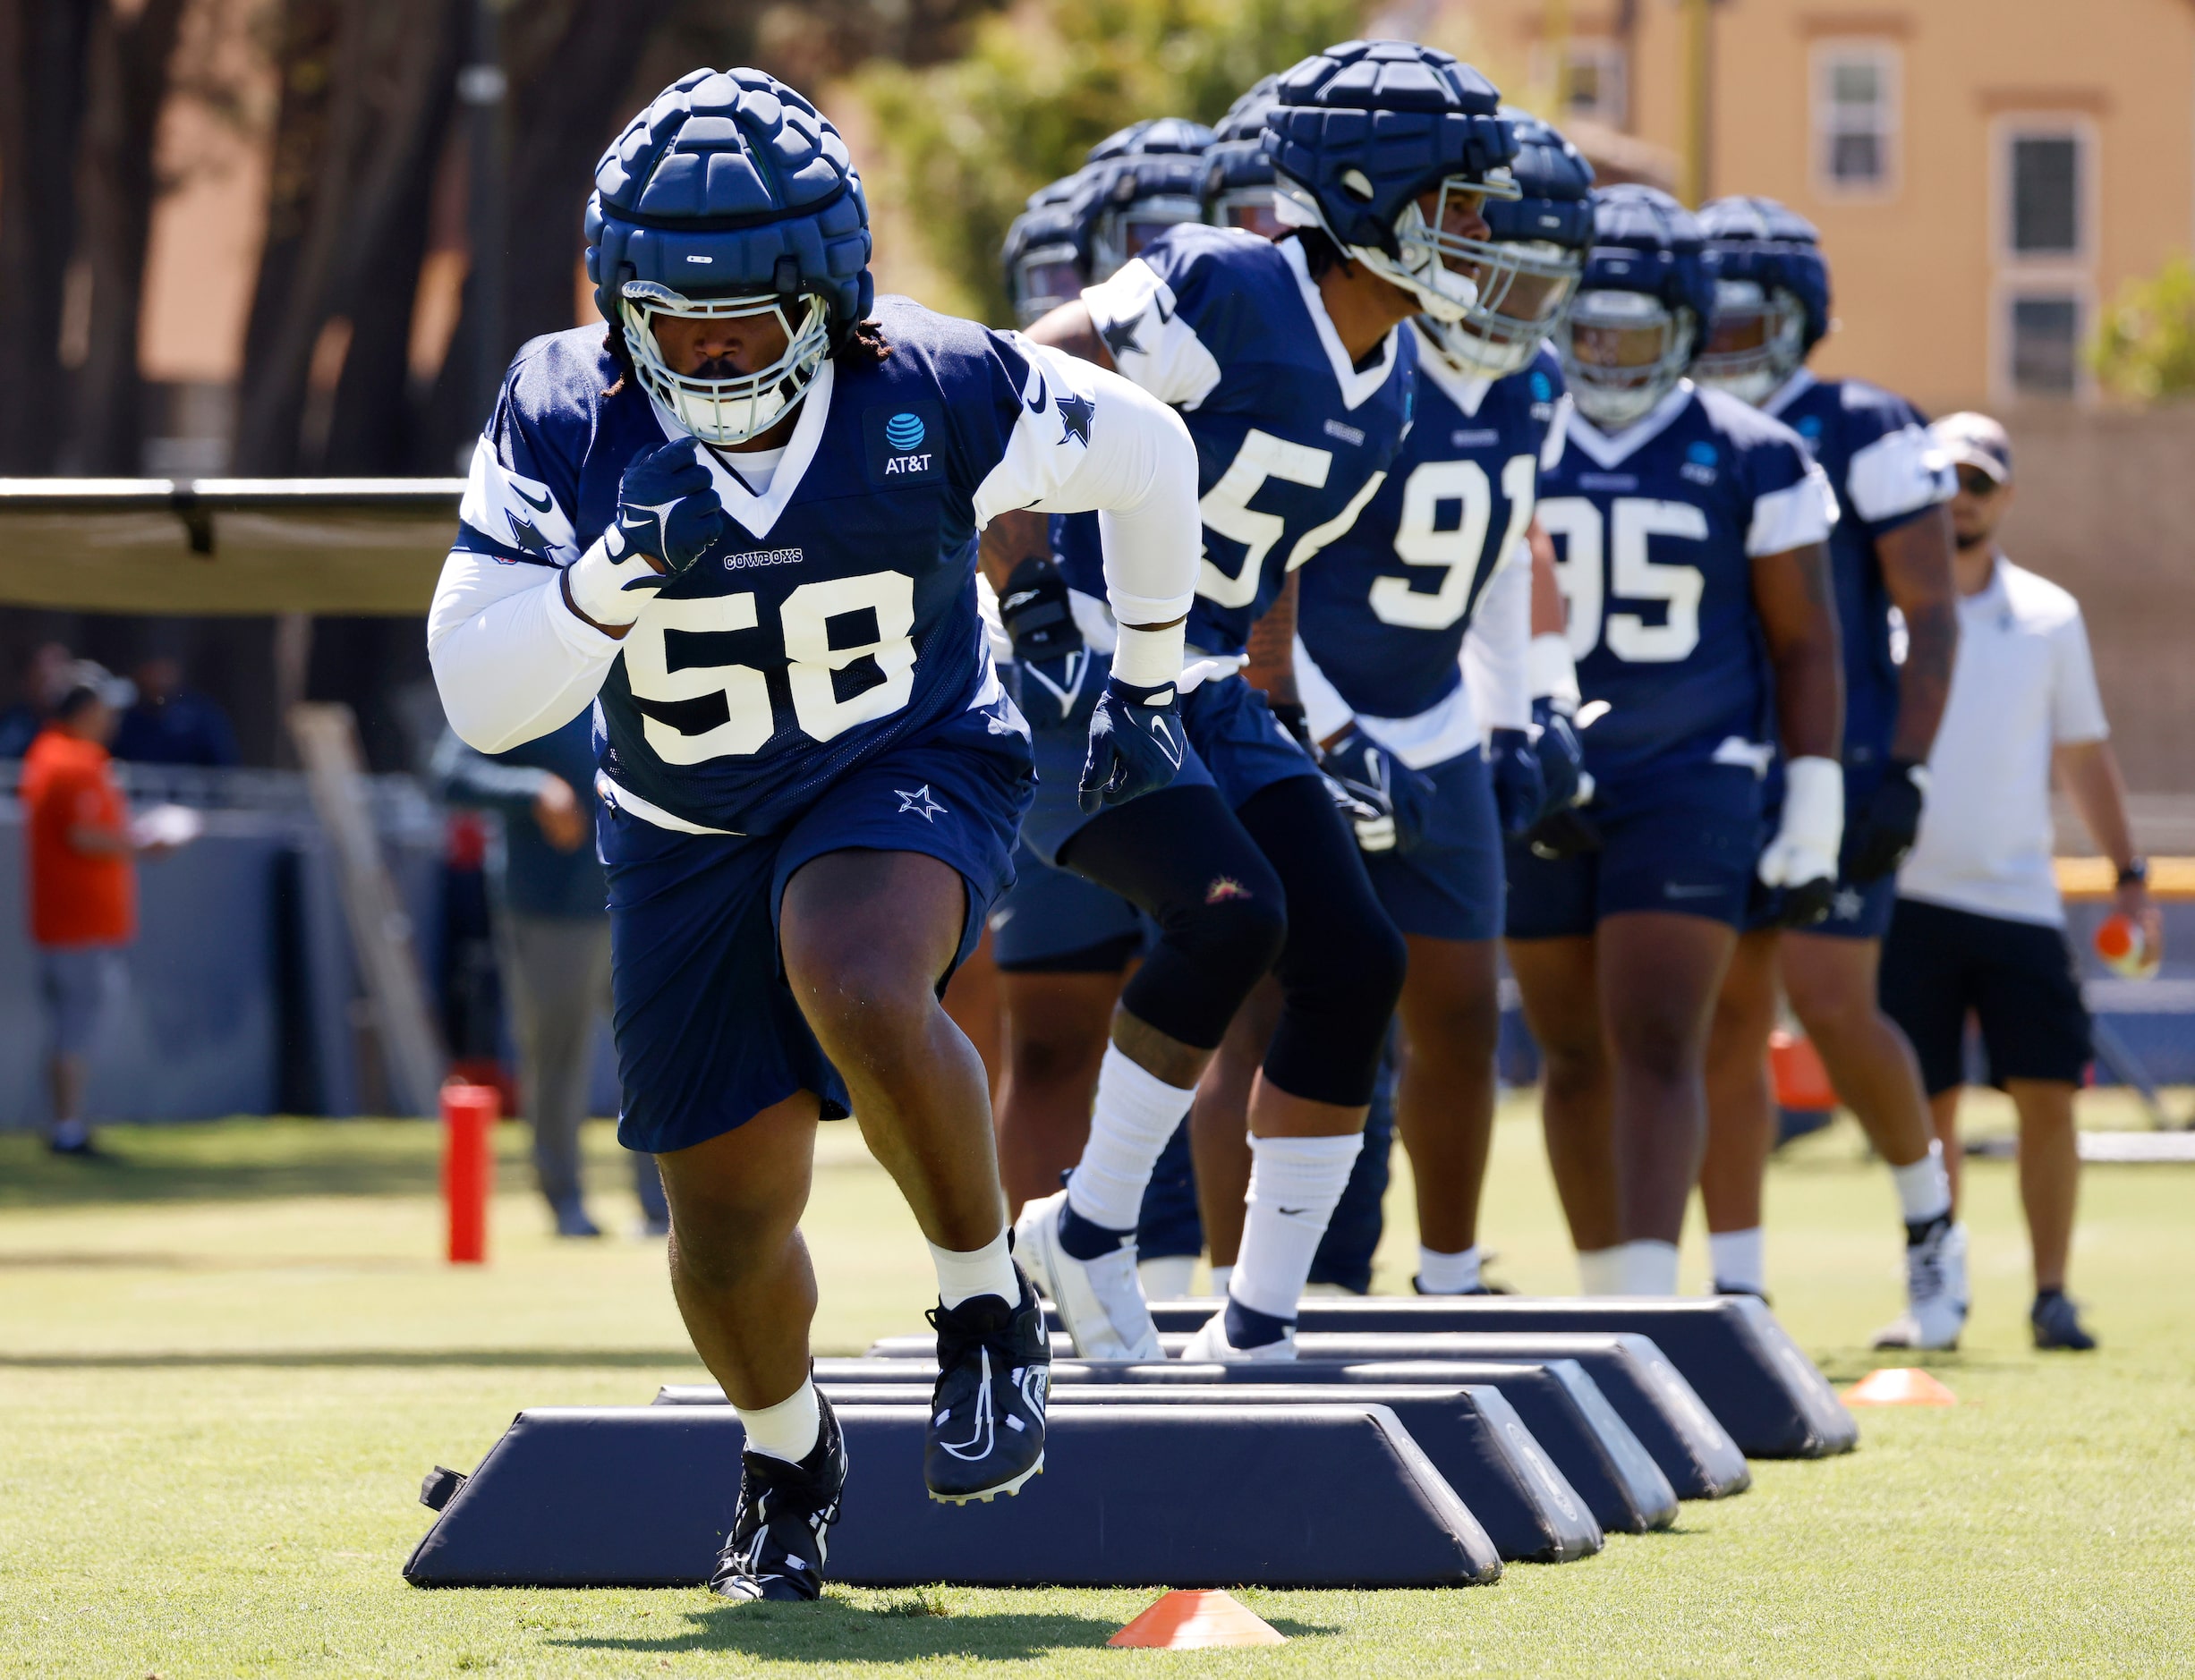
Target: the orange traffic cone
(1195, 1621)
(1900, 1387)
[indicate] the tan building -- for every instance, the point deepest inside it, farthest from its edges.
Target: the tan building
(1987, 173)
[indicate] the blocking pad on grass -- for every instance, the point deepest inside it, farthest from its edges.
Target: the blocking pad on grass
(1473, 1436)
(1563, 1407)
(1767, 1394)
(1671, 1422)
(1317, 1496)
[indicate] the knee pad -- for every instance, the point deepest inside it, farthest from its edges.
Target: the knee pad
(1211, 952)
(1341, 985)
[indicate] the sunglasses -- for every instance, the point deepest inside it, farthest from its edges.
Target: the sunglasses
(1976, 483)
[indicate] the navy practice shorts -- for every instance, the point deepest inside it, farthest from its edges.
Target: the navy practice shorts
(1861, 909)
(1684, 842)
(1235, 744)
(1449, 885)
(708, 1033)
(1053, 922)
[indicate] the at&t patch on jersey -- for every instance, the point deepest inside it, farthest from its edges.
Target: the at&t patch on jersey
(905, 443)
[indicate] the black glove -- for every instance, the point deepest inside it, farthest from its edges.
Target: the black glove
(1561, 756)
(1519, 786)
(1056, 680)
(1806, 903)
(1567, 833)
(1290, 717)
(1398, 798)
(668, 507)
(1136, 745)
(1888, 823)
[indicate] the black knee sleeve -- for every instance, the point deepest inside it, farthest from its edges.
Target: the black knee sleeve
(1342, 965)
(1181, 856)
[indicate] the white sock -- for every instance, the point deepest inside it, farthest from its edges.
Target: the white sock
(1600, 1270)
(787, 1429)
(1924, 1188)
(982, 1271)
(1737, 1258)
(1295, 1184)
(1166, 1276)
(1439, 1274)
(1649, 1268)
(1221, 1277)
(1136, 1113)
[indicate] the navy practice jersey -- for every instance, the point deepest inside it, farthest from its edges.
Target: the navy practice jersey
(1291, 440)
(1887, 473)
(1384, 611)
(836, 615)
(1655, 531)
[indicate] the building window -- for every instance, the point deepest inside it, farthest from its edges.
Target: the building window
(2043, 195)
(1598, 90)
(1856, 116)
(2046, 345)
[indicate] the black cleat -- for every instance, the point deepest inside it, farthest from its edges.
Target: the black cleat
(2056, 1323)
(782, 1530)
(987, 1412)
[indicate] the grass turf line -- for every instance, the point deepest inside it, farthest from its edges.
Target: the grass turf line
(226, 1360)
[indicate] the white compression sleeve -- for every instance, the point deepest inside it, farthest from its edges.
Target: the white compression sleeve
(511, 660)
(1495, 665)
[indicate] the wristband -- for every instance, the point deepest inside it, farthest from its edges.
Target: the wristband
(1551, 673)
(1149, 659)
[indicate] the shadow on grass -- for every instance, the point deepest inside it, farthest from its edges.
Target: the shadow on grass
(240, 1160)
(680, 1362)
(881, 1626)
(897, 1628)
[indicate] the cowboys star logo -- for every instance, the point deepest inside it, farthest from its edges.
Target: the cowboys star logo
(920, 802)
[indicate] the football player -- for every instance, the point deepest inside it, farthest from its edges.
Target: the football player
(1290, 363)
(1381, 636)
(1690, 530)
(1891, 550)
(1064, 944)
(743, 527)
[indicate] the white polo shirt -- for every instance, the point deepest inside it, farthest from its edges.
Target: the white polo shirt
(2023, 684)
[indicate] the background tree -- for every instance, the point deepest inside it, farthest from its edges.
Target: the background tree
(966, 142)
(2145, 347)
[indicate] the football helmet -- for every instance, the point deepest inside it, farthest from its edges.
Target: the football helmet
(1644, 304)
(1363, 131)
(1078, 230)
(1238, 174)
(1527, 271)
(730, 197)
(1771, 296)
(1045, 256)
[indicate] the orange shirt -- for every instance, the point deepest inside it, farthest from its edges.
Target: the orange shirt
(75, 899)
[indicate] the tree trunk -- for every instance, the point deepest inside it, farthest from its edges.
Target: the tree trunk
(42, 55)
(366, 88)
(571, 68)
(128, 90)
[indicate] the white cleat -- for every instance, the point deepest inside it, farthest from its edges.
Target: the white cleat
(1101, 1302)
(1935, 1293)
(1209, 1346)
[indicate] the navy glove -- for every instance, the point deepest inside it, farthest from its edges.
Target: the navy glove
(1055, 678)
(1519, 786)
(1561, 756)
(667, 506)
(1805, 904)
(1889, 822)
(1398, 798)
(1136, 745)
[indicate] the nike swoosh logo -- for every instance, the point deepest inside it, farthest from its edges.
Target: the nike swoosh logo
(1044, 396)
(541, 506)
(1291, 1213)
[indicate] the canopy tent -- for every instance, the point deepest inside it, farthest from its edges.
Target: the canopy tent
(223, 545)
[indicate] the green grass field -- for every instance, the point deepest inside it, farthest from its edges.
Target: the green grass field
(227, 1358)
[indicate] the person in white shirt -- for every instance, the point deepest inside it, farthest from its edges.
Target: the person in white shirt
(1979, 927)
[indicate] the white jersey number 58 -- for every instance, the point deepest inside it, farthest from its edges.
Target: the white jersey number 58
(805, 621)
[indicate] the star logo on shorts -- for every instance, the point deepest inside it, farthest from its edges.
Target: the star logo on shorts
(920, 802)
(1848, 904)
